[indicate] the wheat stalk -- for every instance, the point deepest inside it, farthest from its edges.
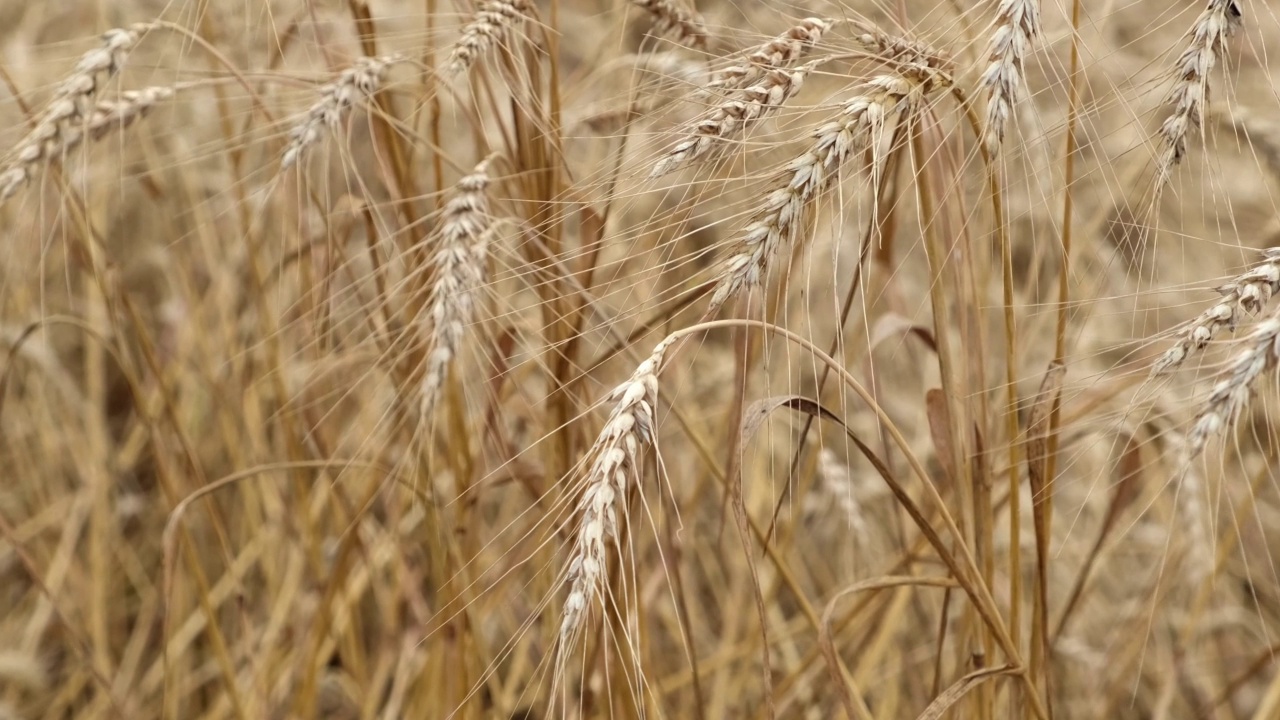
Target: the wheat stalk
(672, 19)
(73, 103)
(1248, 293)
(859, 127)
(491, 25)
(781, 52)
(733, 117)
(1017, 25)
(1206, 42)
(359, 82)
(613, 468)
(462, 250)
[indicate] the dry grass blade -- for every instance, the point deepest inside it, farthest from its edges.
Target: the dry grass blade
(356, 84)
(1247, 293)
(1190, 95)
(462, 251)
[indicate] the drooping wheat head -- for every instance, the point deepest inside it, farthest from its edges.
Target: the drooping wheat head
(356, 84)
(1017, 26)
(494, 24)
(671, 19)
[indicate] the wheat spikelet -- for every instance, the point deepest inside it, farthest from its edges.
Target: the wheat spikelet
(462, 250)
(613, 468)
(491, 25)
(1248, 293)
(1232, 393)
(1017, 25)
(860, 126)
(670, 18)
(358, 82)
(73, 103)
(106, 116)
(733, 117)
(1206, 42)
(781, 52)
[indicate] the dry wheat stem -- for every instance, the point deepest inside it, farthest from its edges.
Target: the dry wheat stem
(106, 116)
(676, 21)
(1232, 393)
(1248, 293)
(462, 250)
(781, 52)
(491, 25)
(613, 466)
(1017, 25)
(859, 127)
(1206, 42)
(357, 83)
(73, 104)
(733, 117)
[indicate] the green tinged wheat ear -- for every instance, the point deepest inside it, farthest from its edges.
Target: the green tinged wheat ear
(73, 105)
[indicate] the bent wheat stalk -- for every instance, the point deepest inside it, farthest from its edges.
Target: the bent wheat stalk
(357, 83)
(1248, 293)
(460, 258)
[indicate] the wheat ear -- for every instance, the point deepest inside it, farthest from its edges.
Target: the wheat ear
(676, 21)
(859, 127)
(1248, 293)
(612, 469)
(359, 82)
(106, 116)
(1017, 25)
(1206, 42)
(733, 117)
(1232, 393)
(73, 103)
(491, 25)
(781, 52)
(896, 50)
(462, 249)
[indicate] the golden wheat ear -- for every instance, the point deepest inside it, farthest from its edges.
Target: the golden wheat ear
(74, 105)
(1017, 26)
(673, 20)
(494, 24)
(356, 84)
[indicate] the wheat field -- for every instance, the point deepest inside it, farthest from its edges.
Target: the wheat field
(563, 359)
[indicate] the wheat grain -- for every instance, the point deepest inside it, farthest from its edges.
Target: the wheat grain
(1248, 293)
(460, 257)
(1017, 25)
(73, 103)
(672, 19)
(1206, 42)
(859, 126)
(733, 117)
(613, 468)
(491, 25)
(359, 82)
